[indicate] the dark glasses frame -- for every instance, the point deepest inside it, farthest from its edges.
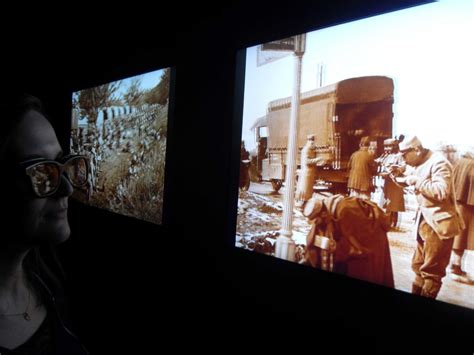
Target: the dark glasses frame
(28, 167)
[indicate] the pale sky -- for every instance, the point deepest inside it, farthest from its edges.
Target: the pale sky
(427, 50)
(147, 81)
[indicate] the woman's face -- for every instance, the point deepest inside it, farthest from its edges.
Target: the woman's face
(38, 220)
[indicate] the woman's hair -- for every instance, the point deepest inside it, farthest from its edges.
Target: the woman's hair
(12, 109)
(40, 261)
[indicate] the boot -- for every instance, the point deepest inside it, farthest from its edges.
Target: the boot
(430, 289)
(416, 289)
(395, 221)
(457, 274)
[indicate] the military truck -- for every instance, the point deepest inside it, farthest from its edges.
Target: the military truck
(339, 115)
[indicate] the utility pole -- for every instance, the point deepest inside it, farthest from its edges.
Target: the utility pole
(285, 245)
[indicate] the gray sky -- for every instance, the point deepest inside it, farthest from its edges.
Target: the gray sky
(427, 50)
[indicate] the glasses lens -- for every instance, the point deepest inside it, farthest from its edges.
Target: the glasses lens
(76, 170)
(44, 177)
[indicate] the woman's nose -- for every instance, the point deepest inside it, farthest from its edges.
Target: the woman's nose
(65, 187)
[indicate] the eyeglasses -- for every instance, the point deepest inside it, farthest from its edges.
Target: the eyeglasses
(45, 175)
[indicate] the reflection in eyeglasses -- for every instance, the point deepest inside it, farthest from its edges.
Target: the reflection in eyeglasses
(45, 175)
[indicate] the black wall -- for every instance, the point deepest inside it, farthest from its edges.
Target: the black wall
(135, 286)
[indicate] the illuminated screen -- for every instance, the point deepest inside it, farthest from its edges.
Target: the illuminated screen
(356, 143)
(122, 126)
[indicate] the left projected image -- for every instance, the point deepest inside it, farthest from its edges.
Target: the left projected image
(122, 127)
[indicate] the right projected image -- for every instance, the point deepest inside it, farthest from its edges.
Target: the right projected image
(122, 127)
(357, 154)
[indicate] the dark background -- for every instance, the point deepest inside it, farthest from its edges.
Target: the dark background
(142, 288)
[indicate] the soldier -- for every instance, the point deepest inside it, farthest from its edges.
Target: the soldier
(309, 162)
(438, 221)
(391, 166)
(355, 236)
(463, 178)
(261, 154)
(449, 152)
(362, 168)
(244, 179)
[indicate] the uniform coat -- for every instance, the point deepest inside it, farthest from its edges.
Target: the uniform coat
(309, 162)
(394, 200)
(435, 196)
(362, 168)
(359, 228)
(463, 178)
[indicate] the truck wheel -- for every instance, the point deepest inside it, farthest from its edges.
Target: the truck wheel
(276, 184)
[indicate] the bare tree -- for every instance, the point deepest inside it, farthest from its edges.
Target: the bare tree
(160, 93)
(92, 100)
(133, 96)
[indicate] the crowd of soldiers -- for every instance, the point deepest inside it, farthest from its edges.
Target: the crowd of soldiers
(442, 182)
(132, 131)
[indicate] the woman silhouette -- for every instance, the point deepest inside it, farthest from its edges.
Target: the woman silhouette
(37, 180)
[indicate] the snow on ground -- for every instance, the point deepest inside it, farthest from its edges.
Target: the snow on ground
(259, 221)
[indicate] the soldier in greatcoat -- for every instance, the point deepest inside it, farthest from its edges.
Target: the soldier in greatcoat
(438, 220)
(357, 229)
(362, 168)
(309, 162)
(392, 165)
(463, 177)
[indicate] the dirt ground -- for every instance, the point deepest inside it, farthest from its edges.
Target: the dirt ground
(111, 170)
(259, 216)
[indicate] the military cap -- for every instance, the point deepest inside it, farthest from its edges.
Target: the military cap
(313, 207)
(390, 141)
(409, 143)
